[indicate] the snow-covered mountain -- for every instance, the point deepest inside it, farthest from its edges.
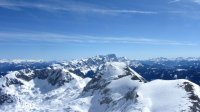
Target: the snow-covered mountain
(117, 88)
(162, 59)
(17, 61)
(87, 67)
(170, 69)
(39, 90)
(114, 87)
(14, 65)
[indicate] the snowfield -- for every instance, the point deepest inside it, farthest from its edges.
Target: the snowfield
(115, 88)
(165, 96)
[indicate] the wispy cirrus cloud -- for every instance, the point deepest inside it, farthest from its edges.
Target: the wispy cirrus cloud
(175, 1)
(68, 7)
(61, 38)
(197, 1)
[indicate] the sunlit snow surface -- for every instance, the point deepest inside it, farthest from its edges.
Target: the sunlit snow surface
(163, 96)
(116, 88)
(39, 95)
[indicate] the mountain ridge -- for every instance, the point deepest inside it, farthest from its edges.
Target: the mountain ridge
(115, 87)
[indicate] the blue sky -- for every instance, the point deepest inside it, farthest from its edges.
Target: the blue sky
(70, 29)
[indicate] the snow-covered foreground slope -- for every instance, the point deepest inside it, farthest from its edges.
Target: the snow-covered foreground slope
(169, 96)
(42, 90)
(115, 88)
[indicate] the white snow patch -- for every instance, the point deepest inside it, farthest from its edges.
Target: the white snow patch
(121, 86)
(113, 70)
(164, 96)
(179, 70)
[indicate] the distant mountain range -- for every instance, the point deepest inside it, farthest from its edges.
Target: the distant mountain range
(101, 84)
(156, 68)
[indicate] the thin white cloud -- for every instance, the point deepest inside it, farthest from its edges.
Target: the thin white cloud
(61, 38)
(123, 11)
(176, 1)
(59, 6)
(197, 1)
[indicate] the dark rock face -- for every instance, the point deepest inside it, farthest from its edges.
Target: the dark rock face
(194, 98)
(5, 98)
(10, 81)
(131, 95)
(53, 76)
(78, 72)
(96, 84)
(42, 74)
(22, 75)
(90, 74)
(59, 77)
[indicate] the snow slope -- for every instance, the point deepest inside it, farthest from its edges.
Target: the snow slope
(115, 88)
(165, 96)
(39, 93)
